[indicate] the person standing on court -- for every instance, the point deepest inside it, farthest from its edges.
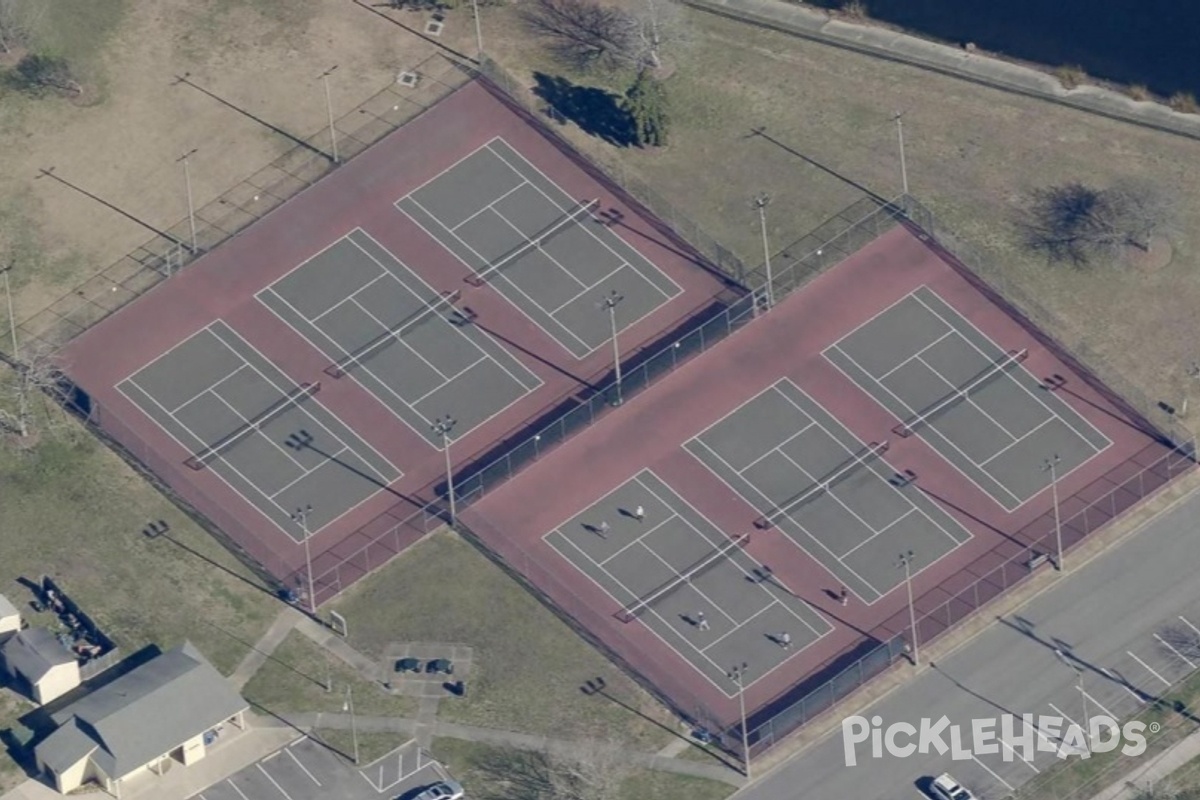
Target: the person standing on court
(785, 640)
(701, 621)
(639, 513)
(844, 596)
(602, 529)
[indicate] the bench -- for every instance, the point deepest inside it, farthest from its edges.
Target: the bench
(1036, 560)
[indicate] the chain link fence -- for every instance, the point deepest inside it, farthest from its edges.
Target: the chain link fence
(300, 167)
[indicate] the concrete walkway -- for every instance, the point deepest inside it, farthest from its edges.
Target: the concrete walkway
(499, 738)
(1154, 770)
(287, 619)
(819, 26)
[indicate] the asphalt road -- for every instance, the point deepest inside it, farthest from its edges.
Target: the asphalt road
(1108, 617)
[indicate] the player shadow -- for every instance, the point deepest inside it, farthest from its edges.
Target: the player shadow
(764, 574)
(598, 112)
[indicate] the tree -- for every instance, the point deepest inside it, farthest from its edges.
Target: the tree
(1080, 224)
(646, 102)
(582, 33)
(658, 26)
(35, 379)
(37, 72)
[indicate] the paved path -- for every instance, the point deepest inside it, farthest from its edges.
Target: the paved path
(982, 69)
(1104, 612)
(504, 739)
(261, 650)
(1152, 772)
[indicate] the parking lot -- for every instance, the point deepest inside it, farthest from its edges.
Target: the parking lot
(308, 770)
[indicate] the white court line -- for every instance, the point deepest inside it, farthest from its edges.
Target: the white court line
(349, 298)
(884, 529)
(259, 432)
(210, 388)
(538, 246)
(885, 375)
(1190, 625)
(713, 526)
(271, 286)
(489, 207)
(785, 442)
(1148, 669)
(688, 581)
(451, 379)
(1026, 389)
(933, 428)
(1181, 656)
(301, 766)
(331, 457)
(589, 231)
(587, 289)
(1124, 684)
(739, 624)
(1007, 785)
(272, 780)
(638, 540)
(497, 276)
(967, 395)
(1010, 445)
(459, 162)
(397, 338)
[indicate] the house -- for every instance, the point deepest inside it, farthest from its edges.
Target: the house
(38, 659)
(10, 618)
(166, 710)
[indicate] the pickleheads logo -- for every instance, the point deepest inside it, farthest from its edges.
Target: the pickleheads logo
(1008, 736)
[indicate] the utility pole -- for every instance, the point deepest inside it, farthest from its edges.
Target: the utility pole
(1051, 466)
(761, 202)
(442, 426)
(478, 33)
(903, 166)
(738, 675)
(1082, 694)
(301, 516)
(187, 182)
(329, 109)
(906, 563)
(610, 303)
(22, 387)
(348, 704)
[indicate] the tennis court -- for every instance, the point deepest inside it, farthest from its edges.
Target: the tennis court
(378, 322)
(967, 396)
(692, 584)
(545, 251)
(269, 439)
(833, 496)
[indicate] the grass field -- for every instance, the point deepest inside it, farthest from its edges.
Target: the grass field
(371, 746)
(295, 677)
(495, 773)
(973, 156)
(74, 511)
(528, 666)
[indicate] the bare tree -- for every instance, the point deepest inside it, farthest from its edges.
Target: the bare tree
(591, 771)
(18, 18)
(1080, 224)
(658, 27)
(583, 33)
(36, 381)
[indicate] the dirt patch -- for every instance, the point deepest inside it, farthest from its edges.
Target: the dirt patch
(1153, 258)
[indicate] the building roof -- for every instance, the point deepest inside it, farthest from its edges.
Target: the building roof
(144, 714)
(34, 652)
(7, 609)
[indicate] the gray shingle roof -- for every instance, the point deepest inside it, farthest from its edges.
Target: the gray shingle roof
(144, 713)
(34, 652)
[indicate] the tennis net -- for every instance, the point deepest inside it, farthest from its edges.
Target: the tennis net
(441, 305)
(639, 606)
(484, 275)
(289, 401)
(856, 461)
(909, 427)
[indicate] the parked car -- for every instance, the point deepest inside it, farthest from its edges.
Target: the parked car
(442, 790)
(945, 787)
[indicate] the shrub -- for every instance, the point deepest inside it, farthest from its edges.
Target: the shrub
(1139, 92)
(1071, 77)
(1184, 103)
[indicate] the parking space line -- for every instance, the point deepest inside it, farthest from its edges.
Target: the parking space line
(1182, 657)
(272, 780)
(1018, 755)
(1007, 785)
(1148, 668)
(236, 789)
(1121, 682)
(301, 766)
(1190, 625)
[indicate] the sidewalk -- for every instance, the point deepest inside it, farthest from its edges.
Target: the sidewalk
(880, 42)
(1155, 770)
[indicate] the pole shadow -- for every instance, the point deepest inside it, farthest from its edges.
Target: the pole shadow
(48, 172)
(761, 132)
(159, 530)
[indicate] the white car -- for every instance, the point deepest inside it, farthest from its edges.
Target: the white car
(444, 790)
(944, 787)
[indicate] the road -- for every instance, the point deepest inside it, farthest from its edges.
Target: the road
(1106, 615)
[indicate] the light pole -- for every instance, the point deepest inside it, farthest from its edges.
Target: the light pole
(610, 303)
(738, 676)
(442, 426)
(478, 32)
(329, 109)
(22, 400)
(301, 516)
(1051, 466)
(187, 182)
(906, 562)
(761, 202)
(1078, 685)
(348, 705)
(900, 134)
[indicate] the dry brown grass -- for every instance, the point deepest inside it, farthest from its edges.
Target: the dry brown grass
(1071, 77)
(1184, 103)
(1139, 92)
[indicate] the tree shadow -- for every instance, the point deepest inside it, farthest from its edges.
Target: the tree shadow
(596, 111)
